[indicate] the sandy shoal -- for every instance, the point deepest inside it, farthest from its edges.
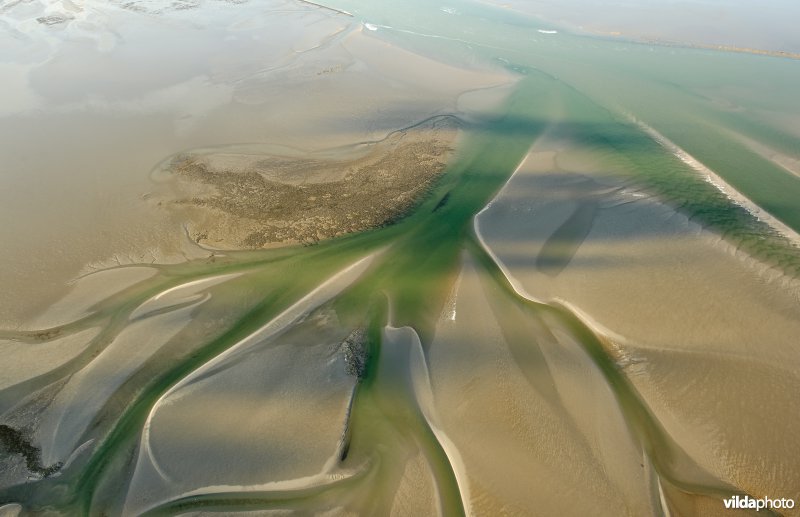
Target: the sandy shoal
(532, 418)
(267, 414)
(706, 333)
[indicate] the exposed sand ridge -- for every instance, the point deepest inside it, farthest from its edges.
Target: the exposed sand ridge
(723, 186)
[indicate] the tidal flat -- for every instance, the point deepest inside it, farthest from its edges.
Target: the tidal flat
(371, 258)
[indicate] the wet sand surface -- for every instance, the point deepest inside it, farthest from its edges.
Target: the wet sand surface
(529, 412)
(675, 302)
(599, 228)
(32, 358)
(106, 107)
(265, 392)
(378, 259)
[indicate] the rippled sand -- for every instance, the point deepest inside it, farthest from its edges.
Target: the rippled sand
(529, 412)
(680, 306)
(604, 333)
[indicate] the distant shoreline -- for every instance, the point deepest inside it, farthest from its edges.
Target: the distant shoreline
(622, 36)
(709, 46)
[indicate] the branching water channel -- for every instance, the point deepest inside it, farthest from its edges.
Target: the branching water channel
(398, 292)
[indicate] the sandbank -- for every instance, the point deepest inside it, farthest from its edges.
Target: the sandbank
(716, 180)
(669, 296)
(265, 385)
(87, 292)
(27, 360)
(531, 416)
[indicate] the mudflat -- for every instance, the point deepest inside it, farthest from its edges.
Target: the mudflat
(240, 198)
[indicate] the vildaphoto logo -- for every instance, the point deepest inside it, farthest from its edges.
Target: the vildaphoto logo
(748, 502)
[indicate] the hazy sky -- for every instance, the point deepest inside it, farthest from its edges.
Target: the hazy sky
(763, 24)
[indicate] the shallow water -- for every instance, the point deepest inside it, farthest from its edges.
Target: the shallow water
(566, 344)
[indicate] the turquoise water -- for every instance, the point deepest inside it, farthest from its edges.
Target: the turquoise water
(693, 97)
(587, 86)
